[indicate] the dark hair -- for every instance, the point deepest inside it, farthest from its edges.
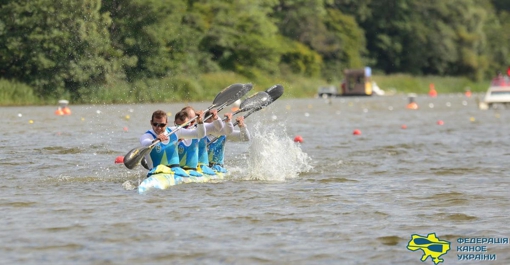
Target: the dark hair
(159, 114)
(181, 115)
(187, 110)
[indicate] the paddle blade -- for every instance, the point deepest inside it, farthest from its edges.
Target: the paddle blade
(256, 101)
(230, 94)
(133, 157)
(275, 92)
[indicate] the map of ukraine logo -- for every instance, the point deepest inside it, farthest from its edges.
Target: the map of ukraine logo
(431, 246)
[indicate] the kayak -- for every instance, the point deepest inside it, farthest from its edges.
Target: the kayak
(162, 181)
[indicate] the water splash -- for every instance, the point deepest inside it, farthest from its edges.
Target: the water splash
(273, 156)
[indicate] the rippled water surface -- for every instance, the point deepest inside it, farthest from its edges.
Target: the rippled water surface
(337, 198)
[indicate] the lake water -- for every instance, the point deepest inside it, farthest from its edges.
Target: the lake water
(337, 198)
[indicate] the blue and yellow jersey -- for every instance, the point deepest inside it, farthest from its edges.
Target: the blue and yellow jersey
(217, 150)
(163, 153)
(188, 154)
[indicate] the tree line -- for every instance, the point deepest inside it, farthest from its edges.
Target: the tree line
(76, 46)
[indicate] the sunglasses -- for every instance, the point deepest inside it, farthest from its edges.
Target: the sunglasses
(160, 125)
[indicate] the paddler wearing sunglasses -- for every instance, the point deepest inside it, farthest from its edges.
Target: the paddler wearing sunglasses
(189, 148)
(165, 154)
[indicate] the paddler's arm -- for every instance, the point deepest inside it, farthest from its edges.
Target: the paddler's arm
(200, 125)
(215, 127)
(228, 127)
(218, 123)
(146, 139)
(244, 133)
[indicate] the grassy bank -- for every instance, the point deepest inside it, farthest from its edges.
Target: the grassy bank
(205, 87)
(420, 85)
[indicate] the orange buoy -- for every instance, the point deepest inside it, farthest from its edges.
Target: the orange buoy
(298, 139)
(403, 126)
(412, 105)
(432, 91)
(468, 93)
(440, 122)
(66, 111)
(59, 112)
(356, 132)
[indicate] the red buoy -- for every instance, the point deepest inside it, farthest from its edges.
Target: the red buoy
(119, 160)
(356, 132)
(298, 139)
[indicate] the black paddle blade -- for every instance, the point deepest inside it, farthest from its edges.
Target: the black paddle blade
(256, 101)
(230, 94)
(133, 157)
(144, 163)
(246, 88)
(275, 91)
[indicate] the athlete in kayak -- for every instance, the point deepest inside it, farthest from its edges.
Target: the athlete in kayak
(189, 148)
(165, 154)
(216, 148)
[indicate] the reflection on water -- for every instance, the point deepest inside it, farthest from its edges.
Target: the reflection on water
(337, 198)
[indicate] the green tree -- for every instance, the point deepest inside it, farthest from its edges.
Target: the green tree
(346, 44)
(501, 5)
(334, 36)
(146, 30)
(239, 35)
(498, 36)
(56, 46)
(423, 37)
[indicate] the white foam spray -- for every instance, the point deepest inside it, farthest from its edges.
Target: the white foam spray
(273, 156)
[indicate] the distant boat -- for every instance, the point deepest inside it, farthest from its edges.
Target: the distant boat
(498, 93)
(63, 109)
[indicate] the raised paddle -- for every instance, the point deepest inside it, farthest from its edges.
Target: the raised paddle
(258, 103)
(260, 100)
(254, 101)
(227, 96)
(247, 87)
(274, 92)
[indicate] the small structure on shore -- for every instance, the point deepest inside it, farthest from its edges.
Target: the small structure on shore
(357, 82)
